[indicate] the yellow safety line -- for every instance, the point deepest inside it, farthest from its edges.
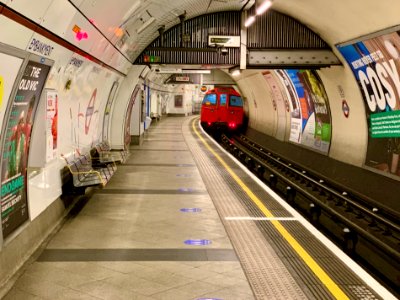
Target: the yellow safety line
(311, 263)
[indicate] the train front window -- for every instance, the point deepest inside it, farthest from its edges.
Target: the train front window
(210, 99)
(222, 100)
(235, 101)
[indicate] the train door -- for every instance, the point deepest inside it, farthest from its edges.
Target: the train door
(209, 110)
(235, 111)
(222, 108)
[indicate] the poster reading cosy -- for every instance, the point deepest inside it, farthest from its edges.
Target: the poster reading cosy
(14, 156)
(376, 65)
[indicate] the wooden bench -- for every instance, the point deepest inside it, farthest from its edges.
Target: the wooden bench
(85, 173)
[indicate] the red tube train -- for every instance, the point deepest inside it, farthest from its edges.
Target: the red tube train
(222, 108)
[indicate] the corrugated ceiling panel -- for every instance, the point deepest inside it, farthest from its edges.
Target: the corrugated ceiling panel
(274, 30)
(198, 30)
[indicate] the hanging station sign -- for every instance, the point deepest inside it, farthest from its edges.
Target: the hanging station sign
(224, 40)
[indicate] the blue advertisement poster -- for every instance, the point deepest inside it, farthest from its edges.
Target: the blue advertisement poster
(312, 109)
(375, 63)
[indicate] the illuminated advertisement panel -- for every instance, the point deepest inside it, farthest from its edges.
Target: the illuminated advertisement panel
(375, 63)
(310, 117)
(14, 210)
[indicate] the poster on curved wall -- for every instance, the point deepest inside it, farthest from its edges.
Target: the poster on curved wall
(14, 210)
(9, 67)
(309, 108)
(279, 103)
(107, 110)
(128, 116)
(375, 63)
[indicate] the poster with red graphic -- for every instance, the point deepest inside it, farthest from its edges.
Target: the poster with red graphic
(51, 124)
(14, 158)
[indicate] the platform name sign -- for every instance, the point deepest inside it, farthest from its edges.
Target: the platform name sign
(40, 47)
(14, 210)
(375, 62)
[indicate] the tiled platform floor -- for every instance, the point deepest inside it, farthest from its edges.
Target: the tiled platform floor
(96, 254)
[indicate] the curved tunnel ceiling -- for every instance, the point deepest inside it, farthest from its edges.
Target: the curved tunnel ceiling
(133, 24)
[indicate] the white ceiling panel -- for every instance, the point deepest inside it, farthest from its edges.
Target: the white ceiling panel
(106, 15)
(120, 24)
(58, 17)
(34, 12)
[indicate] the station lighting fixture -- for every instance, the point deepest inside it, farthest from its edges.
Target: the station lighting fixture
(262, 8)
(250, 20)
(236, 73)
(79, 33)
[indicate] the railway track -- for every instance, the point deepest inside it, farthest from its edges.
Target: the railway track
(366, 231)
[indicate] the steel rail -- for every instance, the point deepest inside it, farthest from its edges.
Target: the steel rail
(262, 158)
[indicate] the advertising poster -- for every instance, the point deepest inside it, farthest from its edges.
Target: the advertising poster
(14, 210)
(294, 107)
(129, 115)
(178, 101)
(51, 124)
(279, 102)
(107, 110)
(375, 63)
(9, 67)
(313, 107)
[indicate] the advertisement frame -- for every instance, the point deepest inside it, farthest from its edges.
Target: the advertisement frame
(128, 116)
(23, 55)
(27, 57)
(373, 52)
(299, 92)
(108, 110)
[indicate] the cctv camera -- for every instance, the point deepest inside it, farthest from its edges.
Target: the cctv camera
(157, 70)
(224, 51)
